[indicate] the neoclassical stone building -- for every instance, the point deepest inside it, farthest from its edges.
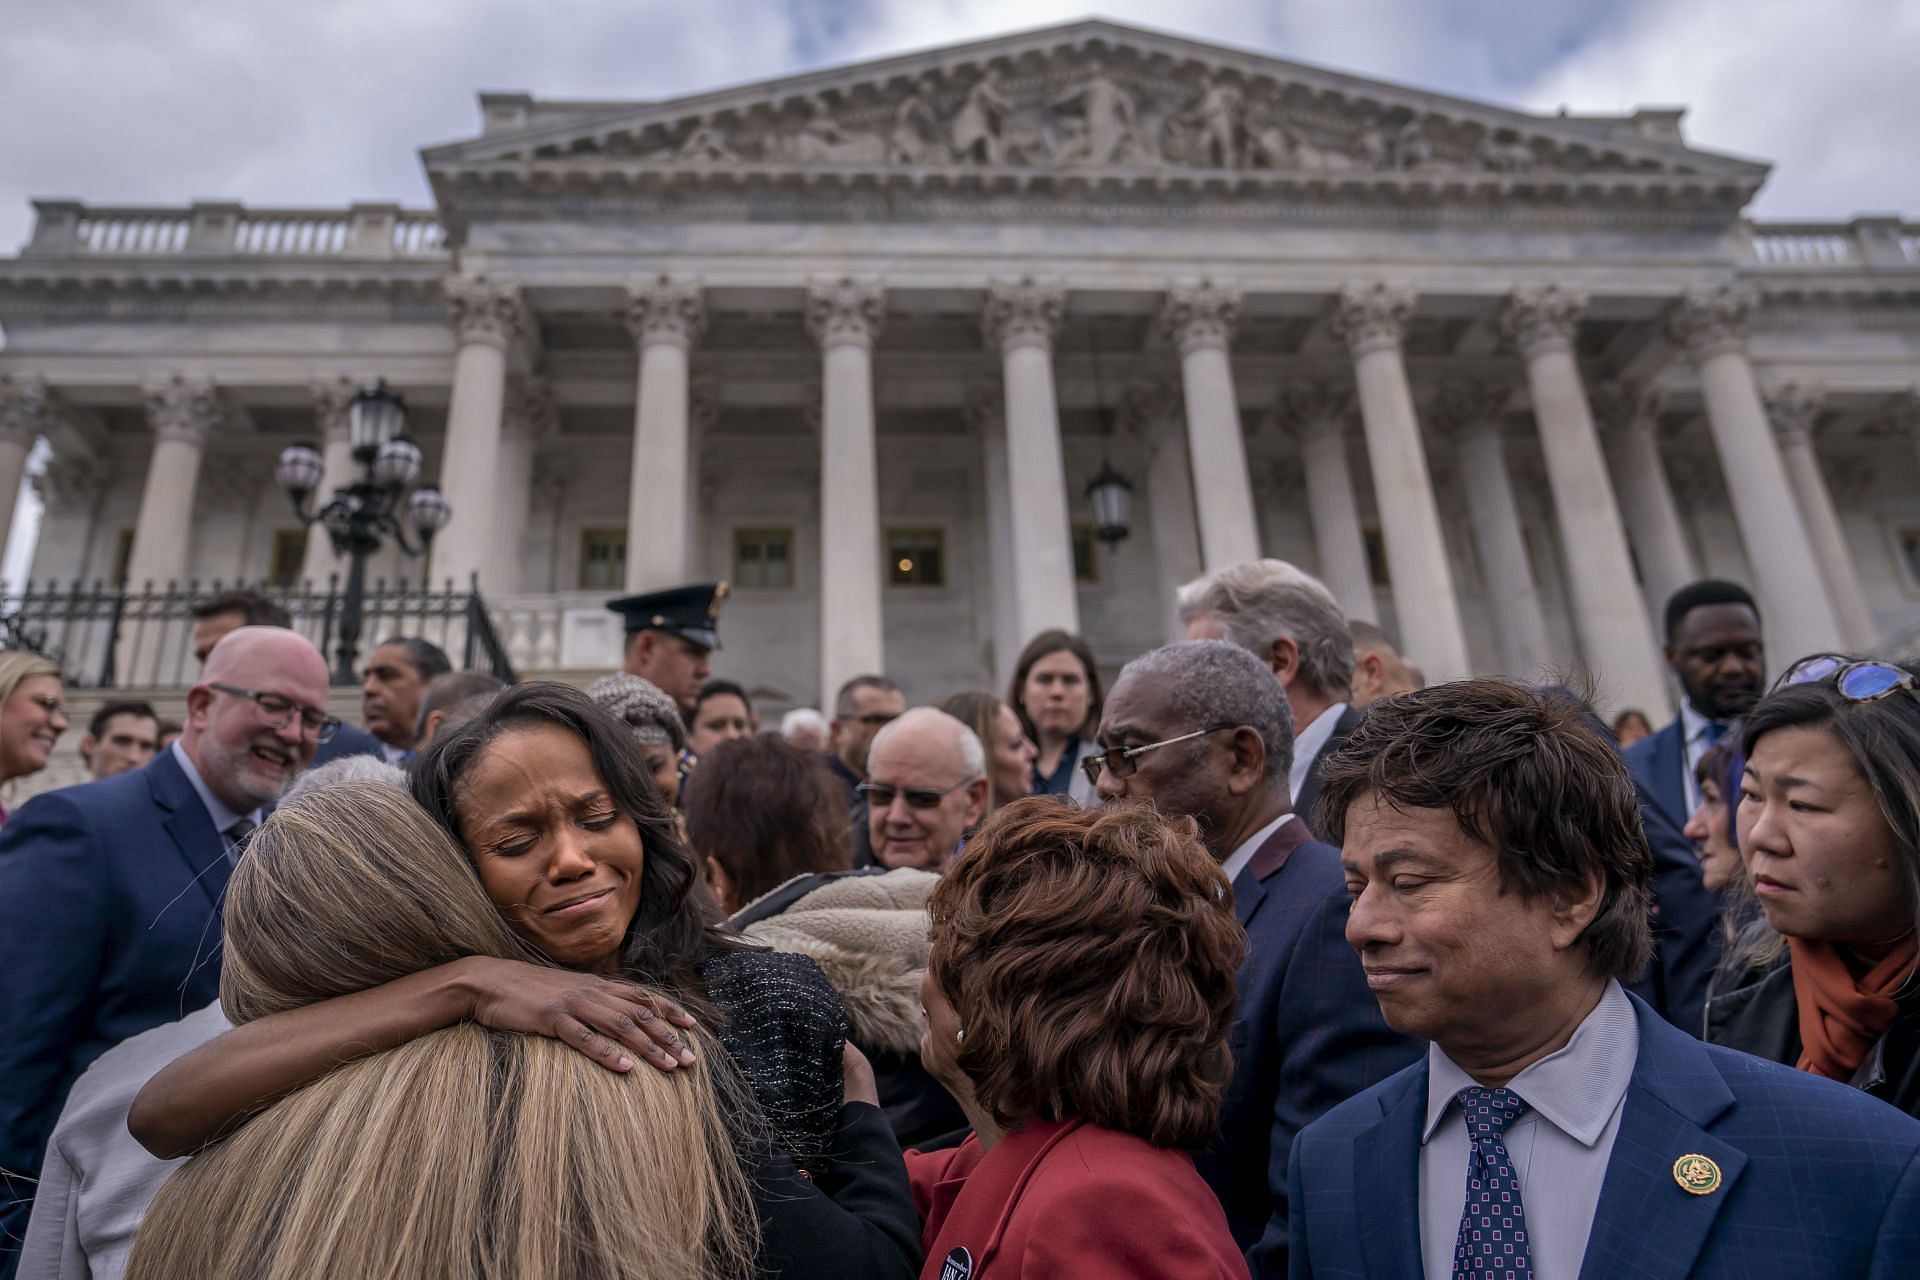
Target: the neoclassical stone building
(859, 339)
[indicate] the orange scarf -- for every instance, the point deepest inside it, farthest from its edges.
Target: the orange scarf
(1842, 1018)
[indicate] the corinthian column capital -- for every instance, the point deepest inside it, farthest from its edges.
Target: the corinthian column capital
(1200, 315)
(183, 409)
(1465, 408)
(1710, 322)
(1371, 317)
(478, 310)
(1794, 410)
(1025, 313)
(333, 407)
(1312, 410)
(845, 311)
(27, 408)
(1541, 318)
(1625, 407)
(666, 310)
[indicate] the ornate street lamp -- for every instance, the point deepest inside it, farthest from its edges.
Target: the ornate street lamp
(1111, 497)
(359, 516)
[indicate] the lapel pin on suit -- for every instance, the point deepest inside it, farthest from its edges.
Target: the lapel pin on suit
(1696, 1175)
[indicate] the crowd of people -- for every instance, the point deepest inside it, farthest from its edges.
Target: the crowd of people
(1260, 958)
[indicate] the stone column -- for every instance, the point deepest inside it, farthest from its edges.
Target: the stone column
(1371, 320)
(667, 318)
(1021, 320)
(332, 401)
(1199, 320)
(1906, 414)
(488, 319)
(531, 415)
(183, 413)
(844, 317)
(986, 411)
(1470, 413)
(1318, 413)
(1795, 412)
(1794, 599)
(1151, 413)
(1609, 613)
(26, 413)
(1630, 421)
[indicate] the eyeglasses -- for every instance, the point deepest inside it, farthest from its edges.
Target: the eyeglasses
(279, 712)
(1856, 681)
(880, 796)
(1122, 762)
(876, 719)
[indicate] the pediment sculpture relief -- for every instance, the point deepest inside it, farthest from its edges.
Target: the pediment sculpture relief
(1100, 117)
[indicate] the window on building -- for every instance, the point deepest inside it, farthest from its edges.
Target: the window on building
(603, 559)
(763, 559)
(1086, 564)
(917, 557)
(289, 557)
(122, 553)
(1377, 556)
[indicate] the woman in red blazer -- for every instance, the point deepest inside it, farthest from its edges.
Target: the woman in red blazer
(1078, 999)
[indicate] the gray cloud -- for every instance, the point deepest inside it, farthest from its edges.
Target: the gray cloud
(275, 102)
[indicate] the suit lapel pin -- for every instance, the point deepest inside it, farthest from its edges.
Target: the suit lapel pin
(1696, 1175)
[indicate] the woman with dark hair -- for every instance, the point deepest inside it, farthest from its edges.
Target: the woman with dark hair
(761, 811)
(1829, 825)
(1056, 694)
(1078, 998)
(1010, 752)
(551, 800)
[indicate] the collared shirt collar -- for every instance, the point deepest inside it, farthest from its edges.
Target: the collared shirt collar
(1237, 860)
(1692, 723)
(1307, 744)
(222, 816)
(1576, 1089)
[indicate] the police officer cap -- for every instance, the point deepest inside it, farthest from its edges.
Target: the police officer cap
(690, 612)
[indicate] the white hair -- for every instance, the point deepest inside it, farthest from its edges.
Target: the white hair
(964, 741)
(355, 768)
(800, 720)
(1260, 601)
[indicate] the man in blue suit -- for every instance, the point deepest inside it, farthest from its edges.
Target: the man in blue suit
(1715, 651)
(1557, 1128)
(1203, 730)
(110, 891)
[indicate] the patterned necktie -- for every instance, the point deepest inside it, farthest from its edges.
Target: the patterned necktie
(238, 835)
(1493, 1228)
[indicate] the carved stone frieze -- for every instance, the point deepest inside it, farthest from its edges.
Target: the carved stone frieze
(1794, 410)
(1539, 318)
(1368, 317)
(183, 409)
(666, 310)
(845, 311)
(1023, 313)
(1709, 322)
(1200, 315)
(479, 310)
(27, 409)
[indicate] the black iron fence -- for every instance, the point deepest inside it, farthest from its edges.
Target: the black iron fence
(106, 637)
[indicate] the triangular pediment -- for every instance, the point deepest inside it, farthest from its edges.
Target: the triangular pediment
(1099, 102)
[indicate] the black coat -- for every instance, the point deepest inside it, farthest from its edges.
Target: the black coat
(1309, 797)
(1762, 1018)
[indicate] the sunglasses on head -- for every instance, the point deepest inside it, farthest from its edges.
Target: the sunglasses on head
(880, 796)
(1863, 681)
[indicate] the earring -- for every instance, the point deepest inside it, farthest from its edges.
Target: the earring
(960, 1036)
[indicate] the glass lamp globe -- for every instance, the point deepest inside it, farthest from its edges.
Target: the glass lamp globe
(397, 465)
(428, 511)
(299, 469)
(1111, 497)
(375, 416)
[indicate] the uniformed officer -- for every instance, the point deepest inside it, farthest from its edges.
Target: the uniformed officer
(670, 635)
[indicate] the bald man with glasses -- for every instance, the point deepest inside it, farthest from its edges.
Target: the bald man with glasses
(926, 788)
(1203, 730)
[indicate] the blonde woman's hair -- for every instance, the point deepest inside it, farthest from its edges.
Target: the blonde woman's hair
(467, 1153)
(17, 665)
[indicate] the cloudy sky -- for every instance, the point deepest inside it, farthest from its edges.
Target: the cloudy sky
(326, 101)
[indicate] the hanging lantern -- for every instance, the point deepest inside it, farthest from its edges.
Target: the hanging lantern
(1111, 497)
(375, 416)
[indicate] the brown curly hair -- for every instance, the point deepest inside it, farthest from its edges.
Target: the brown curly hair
(1091, 956)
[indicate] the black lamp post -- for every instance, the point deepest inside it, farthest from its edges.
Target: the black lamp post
(1109, 494)
(361, 514)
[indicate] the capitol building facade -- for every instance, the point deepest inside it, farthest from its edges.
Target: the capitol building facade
(859, 340)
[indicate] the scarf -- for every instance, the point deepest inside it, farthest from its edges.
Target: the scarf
(1842, 1018)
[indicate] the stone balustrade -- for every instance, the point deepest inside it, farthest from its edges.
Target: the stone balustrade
(1861, 242)
(69, 228)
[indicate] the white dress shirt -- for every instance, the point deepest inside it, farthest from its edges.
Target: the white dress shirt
(1560, 1145)
(1698, 730)
(1237, 860)
(1308, 742)
(224, 819)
